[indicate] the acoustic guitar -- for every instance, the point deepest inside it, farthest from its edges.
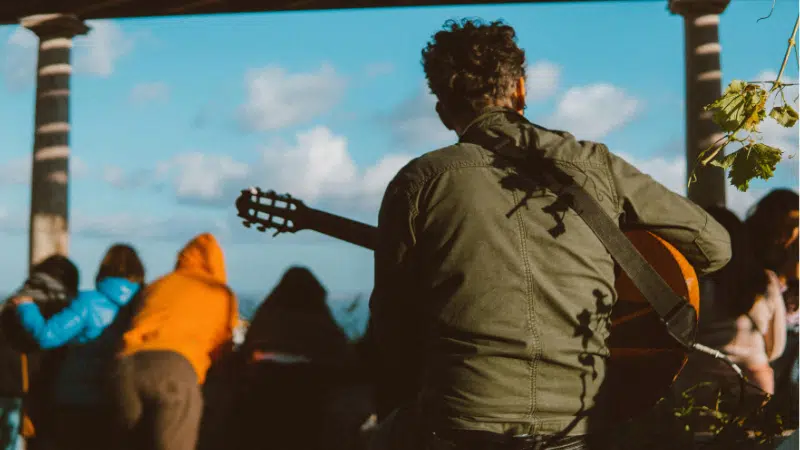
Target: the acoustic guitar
(645, 359)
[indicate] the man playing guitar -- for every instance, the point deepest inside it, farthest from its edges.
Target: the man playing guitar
(489, 315)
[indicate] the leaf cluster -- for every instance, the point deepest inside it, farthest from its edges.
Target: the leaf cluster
(739, 113)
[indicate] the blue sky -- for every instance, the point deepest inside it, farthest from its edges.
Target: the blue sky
(172, 116)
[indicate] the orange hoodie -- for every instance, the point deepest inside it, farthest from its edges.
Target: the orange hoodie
(190, 311)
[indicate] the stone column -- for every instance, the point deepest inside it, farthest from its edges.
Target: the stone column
(703, 86)
(49, 231)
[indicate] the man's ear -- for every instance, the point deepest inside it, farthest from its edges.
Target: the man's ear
(444, 117)
(519, 96)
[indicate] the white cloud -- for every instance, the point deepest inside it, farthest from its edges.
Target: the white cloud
(377, 177)
(415, 122)
(542, 80)
(319, 167)
(114, 176)
(204, 177)
(316, 168)
(592, 112)
(278, 99)
(19, 59)
(377, 69)
(129, 226)
(772, 133)
(16, 171)
(149, 92)
(95, 53)
(319, 164)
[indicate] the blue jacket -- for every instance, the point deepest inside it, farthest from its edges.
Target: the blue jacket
(86, 325)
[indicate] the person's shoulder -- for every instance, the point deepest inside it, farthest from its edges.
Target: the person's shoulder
(432, 164)
(86, 300)
(564, 146)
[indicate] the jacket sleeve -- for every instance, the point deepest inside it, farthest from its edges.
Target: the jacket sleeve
(387, 343)
(649, 205)
(59, 329)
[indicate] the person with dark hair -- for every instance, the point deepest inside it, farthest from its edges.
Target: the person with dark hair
(772, 225)
(26, 371)
(745, 317)
(295, 361)
(294, 319)
(91, 332)
(483, 272)
(183, 322)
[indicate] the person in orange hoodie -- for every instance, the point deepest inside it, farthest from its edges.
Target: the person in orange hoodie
(185, 321)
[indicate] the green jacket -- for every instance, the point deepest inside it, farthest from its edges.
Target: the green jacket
(477, 295)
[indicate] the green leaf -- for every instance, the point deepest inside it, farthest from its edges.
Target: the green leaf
(726, 162)
(784, 115)
(740, 107)
(753, 161)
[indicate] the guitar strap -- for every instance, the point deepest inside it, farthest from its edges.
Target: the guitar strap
(676, 313)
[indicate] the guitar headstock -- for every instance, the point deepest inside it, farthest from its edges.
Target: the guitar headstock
(270, 210)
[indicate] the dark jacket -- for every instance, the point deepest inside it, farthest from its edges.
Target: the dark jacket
(84, 324)
(51, 296)
(481, 279)
(295, 319)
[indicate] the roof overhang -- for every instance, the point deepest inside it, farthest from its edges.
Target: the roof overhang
(11, 11)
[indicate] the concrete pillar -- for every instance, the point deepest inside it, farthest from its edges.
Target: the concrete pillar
(703, 86)
(49, 230)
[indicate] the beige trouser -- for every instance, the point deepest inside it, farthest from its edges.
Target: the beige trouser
(158, 401)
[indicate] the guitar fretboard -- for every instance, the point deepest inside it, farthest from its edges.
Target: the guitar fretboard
(339, 227)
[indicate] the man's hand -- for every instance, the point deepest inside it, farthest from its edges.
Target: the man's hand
(21, 300)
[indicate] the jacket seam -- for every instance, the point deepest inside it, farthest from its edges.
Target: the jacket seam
(532, 362)
(607, 169)
(698, 244)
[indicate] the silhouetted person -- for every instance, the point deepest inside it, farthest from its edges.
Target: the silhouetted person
(26, 370)
(86, 328)
(484, 274)
(295, 319)
(296, 360)
(185, 320)
(743, 316)
(773, 226)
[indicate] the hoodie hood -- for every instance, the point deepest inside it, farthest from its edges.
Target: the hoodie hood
(203, 255)
(118, 290)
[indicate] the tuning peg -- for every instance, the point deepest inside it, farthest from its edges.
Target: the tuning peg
(247, 224)
(261, 228)
(254, 190)
(276, 233)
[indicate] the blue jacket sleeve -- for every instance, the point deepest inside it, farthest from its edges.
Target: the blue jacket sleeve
(59, 329)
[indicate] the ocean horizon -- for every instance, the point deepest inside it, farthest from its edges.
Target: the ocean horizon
(350, 310)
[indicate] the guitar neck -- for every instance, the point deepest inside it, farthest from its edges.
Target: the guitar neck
(342, 228)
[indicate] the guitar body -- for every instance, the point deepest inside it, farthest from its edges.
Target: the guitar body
(645, 359)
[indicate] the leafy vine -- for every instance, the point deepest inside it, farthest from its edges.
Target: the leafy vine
(739, 112)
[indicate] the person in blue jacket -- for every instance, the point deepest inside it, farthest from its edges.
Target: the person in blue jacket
(91, 328)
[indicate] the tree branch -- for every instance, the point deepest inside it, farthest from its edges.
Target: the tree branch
(792, 43)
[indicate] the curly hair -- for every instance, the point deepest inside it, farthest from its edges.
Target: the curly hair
(471, 65)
